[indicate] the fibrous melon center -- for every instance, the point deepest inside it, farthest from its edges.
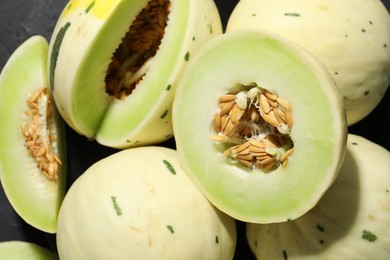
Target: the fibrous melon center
(38, 136)
(130, 61)
(253, 125)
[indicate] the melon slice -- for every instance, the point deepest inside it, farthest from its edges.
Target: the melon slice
(259, 126)
(33, 149)
(114, 65)
(350, 37)
(350, 222)
(139, 204)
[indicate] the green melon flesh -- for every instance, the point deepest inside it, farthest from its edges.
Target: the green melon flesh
(350, 37)
(139, 204)
(319, 132)
(350, 222)
(83, 42)
(20, 250)
(35, 198)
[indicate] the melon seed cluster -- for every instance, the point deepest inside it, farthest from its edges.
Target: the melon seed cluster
(130, 61)
(36, 133)
(260, 122)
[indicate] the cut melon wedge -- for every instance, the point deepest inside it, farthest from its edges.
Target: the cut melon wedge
(301, 157)
(84, 71)
(33, 195)
(350, 222)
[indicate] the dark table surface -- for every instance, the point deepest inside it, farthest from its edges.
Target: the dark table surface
(20, 19)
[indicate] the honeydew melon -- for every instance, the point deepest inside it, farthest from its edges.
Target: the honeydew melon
(350, 37)
(82, 64)
(350, 222)
(139, 204)
(237, 180)
(36, 197)
(21, 250)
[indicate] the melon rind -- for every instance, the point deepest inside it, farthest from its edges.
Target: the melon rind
(357, 202)
(139, 204)
(350, 37)
(85, 44)
(319, 131)
(35, 198)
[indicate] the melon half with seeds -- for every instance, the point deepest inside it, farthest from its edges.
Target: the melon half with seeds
(114, 65)
(351, 221)
(140, 204)
(259, 126)
(32, 150)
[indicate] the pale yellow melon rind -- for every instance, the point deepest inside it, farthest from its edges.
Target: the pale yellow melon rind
(138, 203)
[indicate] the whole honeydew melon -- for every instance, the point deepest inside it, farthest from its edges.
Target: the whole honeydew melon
(33, 186)
(21, 250)
(350, 222)
(114, 64)
(224, 114)
(139, 204)
(350, 37)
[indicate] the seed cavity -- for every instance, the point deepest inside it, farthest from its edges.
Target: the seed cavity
(38, 138)
(255, 124)
(133, 58)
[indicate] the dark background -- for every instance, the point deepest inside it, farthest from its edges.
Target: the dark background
(20, 19)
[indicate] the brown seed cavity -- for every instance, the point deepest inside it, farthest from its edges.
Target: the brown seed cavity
(131, 60)
(257, 124)
(38, 138)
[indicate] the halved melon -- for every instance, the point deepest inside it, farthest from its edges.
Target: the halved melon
(114, 65)
(32, 150)
(259, 126)
(350, 222)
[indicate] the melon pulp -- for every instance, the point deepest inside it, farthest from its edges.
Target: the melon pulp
(240, 62)
(35, 197)
(139, 204)
(351, 221)
(350, 37)
(82, 49)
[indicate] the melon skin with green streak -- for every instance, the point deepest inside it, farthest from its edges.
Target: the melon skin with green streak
(22, 250)
(229, 62)
(350, 37)
(33, 196)
(139, 204)
(350, 222)
(83, 42)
